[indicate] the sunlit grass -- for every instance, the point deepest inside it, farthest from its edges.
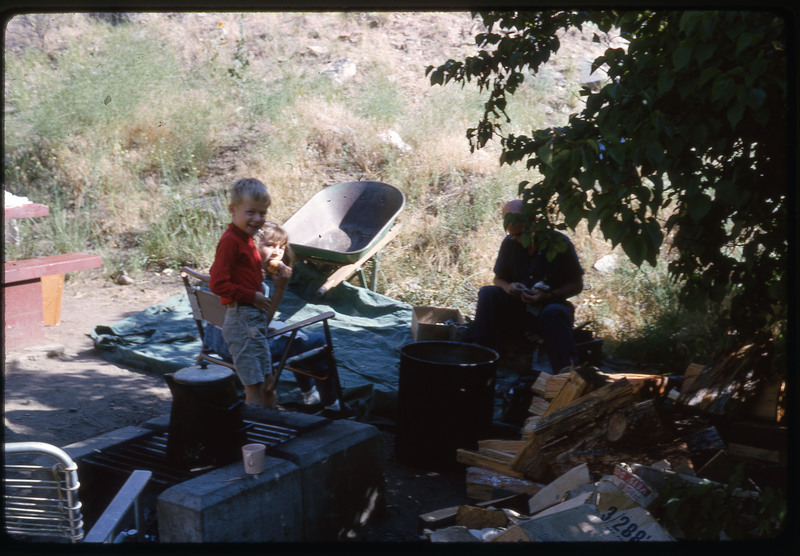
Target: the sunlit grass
(133, 134)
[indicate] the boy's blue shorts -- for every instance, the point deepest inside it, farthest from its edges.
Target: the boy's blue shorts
(245, 333)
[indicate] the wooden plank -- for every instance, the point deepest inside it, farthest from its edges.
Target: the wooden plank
(477, 459)
(32, 269)
(689, 376)
(769, 403)
(28, 210)
(52, 291)
(509, 447)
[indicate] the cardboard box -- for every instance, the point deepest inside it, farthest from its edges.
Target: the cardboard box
(433, 323)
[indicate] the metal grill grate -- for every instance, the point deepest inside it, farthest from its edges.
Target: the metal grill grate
(150, 452)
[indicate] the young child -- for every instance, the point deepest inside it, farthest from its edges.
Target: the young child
(236, 276)
(277, 259)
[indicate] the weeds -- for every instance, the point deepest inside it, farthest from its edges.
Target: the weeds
(133, 134)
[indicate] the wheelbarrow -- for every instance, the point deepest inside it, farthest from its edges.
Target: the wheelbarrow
(345, 225)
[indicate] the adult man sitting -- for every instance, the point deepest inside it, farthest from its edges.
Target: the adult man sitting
(530, 293)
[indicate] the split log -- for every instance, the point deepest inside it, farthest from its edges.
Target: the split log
(601, 457)
(575, 387)
(639, 424)
(529, 426)
(539, 406)
(547, 386)
(565, 427)
(498, 464)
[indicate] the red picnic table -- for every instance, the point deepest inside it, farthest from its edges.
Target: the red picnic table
(32, 287)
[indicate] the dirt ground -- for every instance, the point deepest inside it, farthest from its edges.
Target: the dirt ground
(61, 392)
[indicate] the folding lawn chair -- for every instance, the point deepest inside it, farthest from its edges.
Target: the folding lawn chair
(207, 309)
(40, 497)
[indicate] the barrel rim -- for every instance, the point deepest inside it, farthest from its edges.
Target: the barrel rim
(494, 353)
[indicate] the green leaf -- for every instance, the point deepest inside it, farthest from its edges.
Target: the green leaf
(699, 207)
(545, 153)
(681, 56)
(735, 114)
(703, 52)
(666, 79)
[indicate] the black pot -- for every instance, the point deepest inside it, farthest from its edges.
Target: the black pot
(205, 424)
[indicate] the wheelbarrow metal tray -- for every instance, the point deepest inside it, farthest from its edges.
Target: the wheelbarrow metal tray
(343, 221)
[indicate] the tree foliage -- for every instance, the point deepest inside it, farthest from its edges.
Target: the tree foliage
(686, 139)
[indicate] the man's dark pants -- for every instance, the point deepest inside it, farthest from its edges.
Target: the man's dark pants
(499, 315)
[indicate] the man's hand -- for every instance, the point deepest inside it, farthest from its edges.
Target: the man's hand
(262, 302)
(515, 289)
(535, 296)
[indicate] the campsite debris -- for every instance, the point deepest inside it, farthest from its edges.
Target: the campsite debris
(729, 386)
(122, 278)
(483, 484)
(638, 424)
(581, 421)
(597, 450)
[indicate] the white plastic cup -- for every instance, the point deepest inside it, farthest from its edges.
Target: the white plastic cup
(253, 458)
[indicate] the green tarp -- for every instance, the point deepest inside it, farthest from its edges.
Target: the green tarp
(367, 329)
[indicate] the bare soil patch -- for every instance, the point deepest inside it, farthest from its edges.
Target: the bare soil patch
(62, 392)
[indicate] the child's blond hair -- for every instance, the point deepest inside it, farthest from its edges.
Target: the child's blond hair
(250, 189)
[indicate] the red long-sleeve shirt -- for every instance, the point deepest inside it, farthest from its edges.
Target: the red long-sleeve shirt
(236, 271)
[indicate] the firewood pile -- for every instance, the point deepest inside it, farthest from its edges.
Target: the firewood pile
(597, 449)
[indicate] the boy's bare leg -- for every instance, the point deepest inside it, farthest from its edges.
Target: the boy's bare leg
(254, 394)
(262, 393)
(270, 397)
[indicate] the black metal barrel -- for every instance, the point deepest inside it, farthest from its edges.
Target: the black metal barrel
(445, 401)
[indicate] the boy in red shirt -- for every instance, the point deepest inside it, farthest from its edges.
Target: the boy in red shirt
(236, 278)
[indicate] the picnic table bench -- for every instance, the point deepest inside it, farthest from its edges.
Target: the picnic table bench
(28, 305)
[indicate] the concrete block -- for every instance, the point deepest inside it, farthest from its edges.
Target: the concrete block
(300, 422)
(342, 472)
(159, 424)
(227, 505)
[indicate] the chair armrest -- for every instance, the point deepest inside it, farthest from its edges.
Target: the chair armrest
(298, 325)
(119, 506)
(194, 274)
